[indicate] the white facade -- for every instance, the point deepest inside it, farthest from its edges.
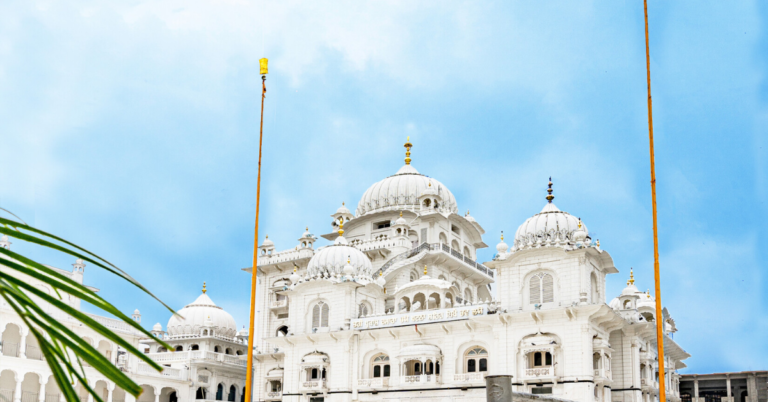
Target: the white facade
(398, 308)
(210, 356)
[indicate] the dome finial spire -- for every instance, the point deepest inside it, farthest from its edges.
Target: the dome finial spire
(341, 226)
(550, 197)
(425, 269)
(502, 235)
(204, 289)
(408, 146)
(631, 280)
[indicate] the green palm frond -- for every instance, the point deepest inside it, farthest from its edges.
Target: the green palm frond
(65, 351)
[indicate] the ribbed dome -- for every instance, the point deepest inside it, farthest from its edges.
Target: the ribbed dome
(549, 224)
(195, 316)
(403, 189)
(332, 259)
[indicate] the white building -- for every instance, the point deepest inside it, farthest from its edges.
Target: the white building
(398, 308)
(208, 363)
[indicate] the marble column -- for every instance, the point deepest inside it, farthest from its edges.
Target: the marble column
(17, 391)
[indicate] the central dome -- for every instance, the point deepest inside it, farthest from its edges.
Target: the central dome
(403, 190)
(203, 312)
(331, 260)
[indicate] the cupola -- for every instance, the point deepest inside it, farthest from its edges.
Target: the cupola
(307, 240)
(400, 228)
(267, 247)
(331, 261)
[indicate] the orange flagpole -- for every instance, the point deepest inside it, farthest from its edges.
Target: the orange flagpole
(657, 278)
(251, 332)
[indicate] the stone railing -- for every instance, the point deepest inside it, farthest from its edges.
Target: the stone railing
(435, 247)
(197, 355)
(283, 256)
(419, 379)
(313, 385)
(34, 353)
(112, 323)
(537, 372)
(11, 349)
(29, 396)
(278, 303)
(55, 398)
(376, 244)
(168, 372)
(373, 382)
(7, 395)
(469, 377)
(274, 395)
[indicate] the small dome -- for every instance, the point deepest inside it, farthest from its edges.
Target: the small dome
(157, 327)
(469, 218)
(267, 242)
(381, 281)
(343, 209)
(646, 300)
(615, 304)
(630, 290)
(403, 189)
(306, 233)
(294, 277)
(401, 221)
(203, 312)
(331, 260)
(243, 332)
(549, 225)
(136, 311)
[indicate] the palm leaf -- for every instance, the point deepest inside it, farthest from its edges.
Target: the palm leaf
(65, 351)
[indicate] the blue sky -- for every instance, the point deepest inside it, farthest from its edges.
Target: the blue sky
(131, 128)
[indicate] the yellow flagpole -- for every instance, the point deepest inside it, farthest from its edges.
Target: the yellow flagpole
(251, 332)
(657, 279)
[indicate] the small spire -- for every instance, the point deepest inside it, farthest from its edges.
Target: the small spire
(307, 228)
(579, 221)
(425, 269)
(381, 272)
(341, 226)
(204, 289)
(401, 214)
(598, 242)
(295, 267)
(502, 235)
(631, 280)
(550, 197)
(408, 146)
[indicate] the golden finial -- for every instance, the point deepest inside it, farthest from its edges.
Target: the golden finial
(381, 272)
(408, 146)
(550, 197)
(648, 293)
(295, 268)
(425, 269)
(502, 235)
(204, 290)
(631, 280)
(341, 226)
(430, 183)
(307, 228)
(579, 223)
(263, 66)
(401, 214)
(598, 242)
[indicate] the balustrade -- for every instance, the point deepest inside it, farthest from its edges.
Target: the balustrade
(275, 395)
(537, 372)
(436, 247)
(7, 395)
(11, 349)
(373, 382)
(29, 397)
(469, 377)
(313, 385)
(168, 372)
(55, 398)
(419, 379)
(34, 353)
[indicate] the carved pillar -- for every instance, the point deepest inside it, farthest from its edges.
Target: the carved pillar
(17, 391)
(23, 344)
(110, 389)
(41, 395)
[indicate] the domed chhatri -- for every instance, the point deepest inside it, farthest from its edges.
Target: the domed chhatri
(331, 260)
(203, 312)
(551, 226)
(402, 191)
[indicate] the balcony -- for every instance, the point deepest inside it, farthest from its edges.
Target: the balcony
(373, 382)
(168, 372)
(167, 357)
(314, 385)
(470, 377)
(274, 396)
(279, 306)
(603, 374)
(419, 379)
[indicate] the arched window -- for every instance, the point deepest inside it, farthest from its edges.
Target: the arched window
(232, 392)
(468, 295)
(380, 366)
(320, 315)
(455, 245)
(539, 359)
(596, 361)
(476, 360)
(179, 348)
(282, 331)
(414, 276)
(443, 239)
(542, 288)
(362, 310)
(216, 349)
(220, 392)
(194, 347)
(466, 252)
